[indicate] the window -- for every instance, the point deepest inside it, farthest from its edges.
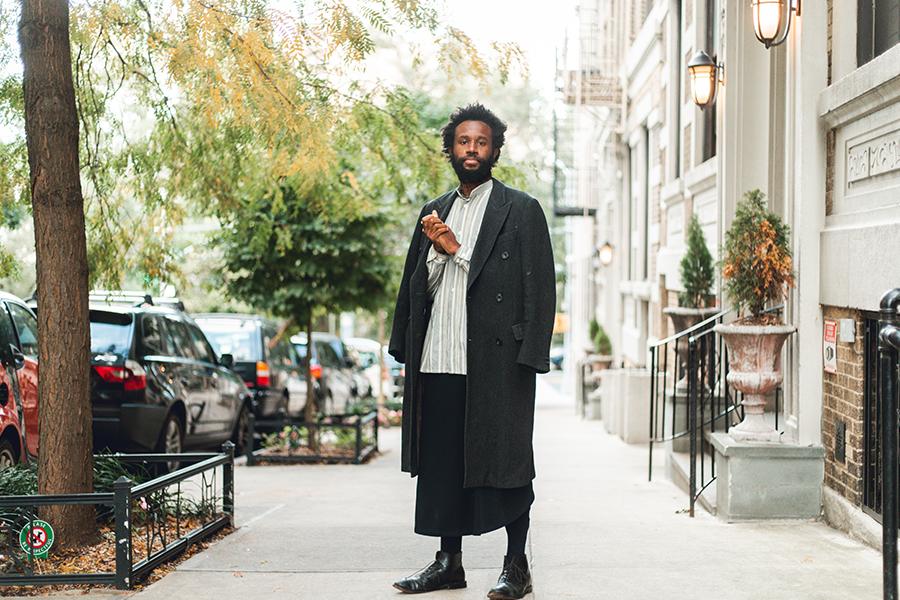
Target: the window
(326, 354)
(202, 348)
(237, 337)
(153, 341)
(110, 332)
(182, 343)
(877, 28)
(26, 328)
(709, 115)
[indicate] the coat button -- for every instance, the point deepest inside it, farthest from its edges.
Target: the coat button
(505, 255)
(499, 297)
(499, 342)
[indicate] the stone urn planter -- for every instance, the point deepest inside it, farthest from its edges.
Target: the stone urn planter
(684, 318)
(754, 362)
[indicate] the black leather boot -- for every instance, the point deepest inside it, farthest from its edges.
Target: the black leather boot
(514, 581)
(445, 573)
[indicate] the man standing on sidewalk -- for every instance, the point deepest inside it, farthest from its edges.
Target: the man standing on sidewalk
(473, 323)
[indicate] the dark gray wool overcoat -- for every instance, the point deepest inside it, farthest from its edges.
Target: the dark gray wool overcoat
(511, 304)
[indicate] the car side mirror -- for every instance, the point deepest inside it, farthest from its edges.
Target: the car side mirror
(227, 361)
(18, 357)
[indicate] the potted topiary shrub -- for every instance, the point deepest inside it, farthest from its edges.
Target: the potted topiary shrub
(697, 275)
(601, 357)
(757, 271)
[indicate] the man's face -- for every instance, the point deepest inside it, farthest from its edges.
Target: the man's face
(473, 152)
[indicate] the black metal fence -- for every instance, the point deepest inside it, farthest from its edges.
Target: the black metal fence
(362, 444)
(147, 523)
(887, 401)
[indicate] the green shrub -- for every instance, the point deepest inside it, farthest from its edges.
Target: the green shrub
(756, 261)
(696, 268)
(601, 341)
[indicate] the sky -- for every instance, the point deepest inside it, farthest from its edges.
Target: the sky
(537, 26)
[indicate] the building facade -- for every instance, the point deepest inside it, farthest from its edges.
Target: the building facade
(814, 123)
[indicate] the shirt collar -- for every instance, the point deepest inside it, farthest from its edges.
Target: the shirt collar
(482, 190)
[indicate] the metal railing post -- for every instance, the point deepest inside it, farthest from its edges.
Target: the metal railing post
(653, 392)
(692, 416)
(358, 440)
(228, 482)
(375, 425)
(122, 514)
(251, 436)
(888, 343)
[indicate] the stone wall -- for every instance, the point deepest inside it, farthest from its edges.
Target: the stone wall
(843, 403)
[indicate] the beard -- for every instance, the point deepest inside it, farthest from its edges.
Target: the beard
(479, 175)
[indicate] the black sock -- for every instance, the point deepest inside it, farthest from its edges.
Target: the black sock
(516, 533)
(452, 545)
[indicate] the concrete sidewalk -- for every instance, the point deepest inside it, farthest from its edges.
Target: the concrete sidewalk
(599, 530)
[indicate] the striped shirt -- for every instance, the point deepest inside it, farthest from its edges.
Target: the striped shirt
(445, 340)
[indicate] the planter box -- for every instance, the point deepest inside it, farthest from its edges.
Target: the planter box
(362, 449)
(626, 404)
(756, 480)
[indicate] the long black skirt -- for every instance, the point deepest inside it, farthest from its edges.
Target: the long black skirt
(443, 506)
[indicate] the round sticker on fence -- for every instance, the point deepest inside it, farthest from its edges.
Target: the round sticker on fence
(36, 538)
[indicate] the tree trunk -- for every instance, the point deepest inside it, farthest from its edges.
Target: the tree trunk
(309, 415)
(51, 129)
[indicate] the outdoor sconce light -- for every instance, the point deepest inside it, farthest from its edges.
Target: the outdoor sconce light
(605, 254)
(705, 77)
(772, 19)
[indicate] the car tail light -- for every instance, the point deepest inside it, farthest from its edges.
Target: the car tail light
(132, 375)
(402, 371)
(316, 371)
(262, 374)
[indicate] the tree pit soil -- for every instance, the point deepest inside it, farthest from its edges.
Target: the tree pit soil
(101, 558)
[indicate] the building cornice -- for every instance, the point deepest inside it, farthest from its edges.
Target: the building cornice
(874, 85)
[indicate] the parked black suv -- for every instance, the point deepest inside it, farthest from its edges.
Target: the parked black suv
(267, 364)
(157, 384)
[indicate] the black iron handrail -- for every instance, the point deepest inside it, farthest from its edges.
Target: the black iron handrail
(888, 388)
(702, 363)
(124, 494)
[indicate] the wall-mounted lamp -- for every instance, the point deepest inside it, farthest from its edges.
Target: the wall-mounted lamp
(772, 19)
(605, 254)
(705, 76)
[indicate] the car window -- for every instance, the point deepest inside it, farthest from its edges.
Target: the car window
(26, 328)
(182, 341)
(237, 337)
(326, 354)
(7, 337)
(110, 332)
(268, 334)
(201, 346)
(153, 340)
(286, 353)
(301, 353)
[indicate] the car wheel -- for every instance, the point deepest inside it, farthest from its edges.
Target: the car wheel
(241, 436)
(7, 455)
(171, 440)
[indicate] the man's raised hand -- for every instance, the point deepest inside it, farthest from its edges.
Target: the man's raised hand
(439, 233)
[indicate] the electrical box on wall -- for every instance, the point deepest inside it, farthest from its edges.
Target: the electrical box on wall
(847, 331)
(840, 441)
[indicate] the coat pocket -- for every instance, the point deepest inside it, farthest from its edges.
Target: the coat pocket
(518, 331)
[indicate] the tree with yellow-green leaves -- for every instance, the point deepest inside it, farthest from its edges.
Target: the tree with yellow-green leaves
(138, 113)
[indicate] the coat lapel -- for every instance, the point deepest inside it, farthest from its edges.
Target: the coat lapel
(494, 217)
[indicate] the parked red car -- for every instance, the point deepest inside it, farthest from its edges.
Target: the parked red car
(18, 381)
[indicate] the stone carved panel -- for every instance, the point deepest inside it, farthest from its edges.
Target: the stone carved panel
(873, 157)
